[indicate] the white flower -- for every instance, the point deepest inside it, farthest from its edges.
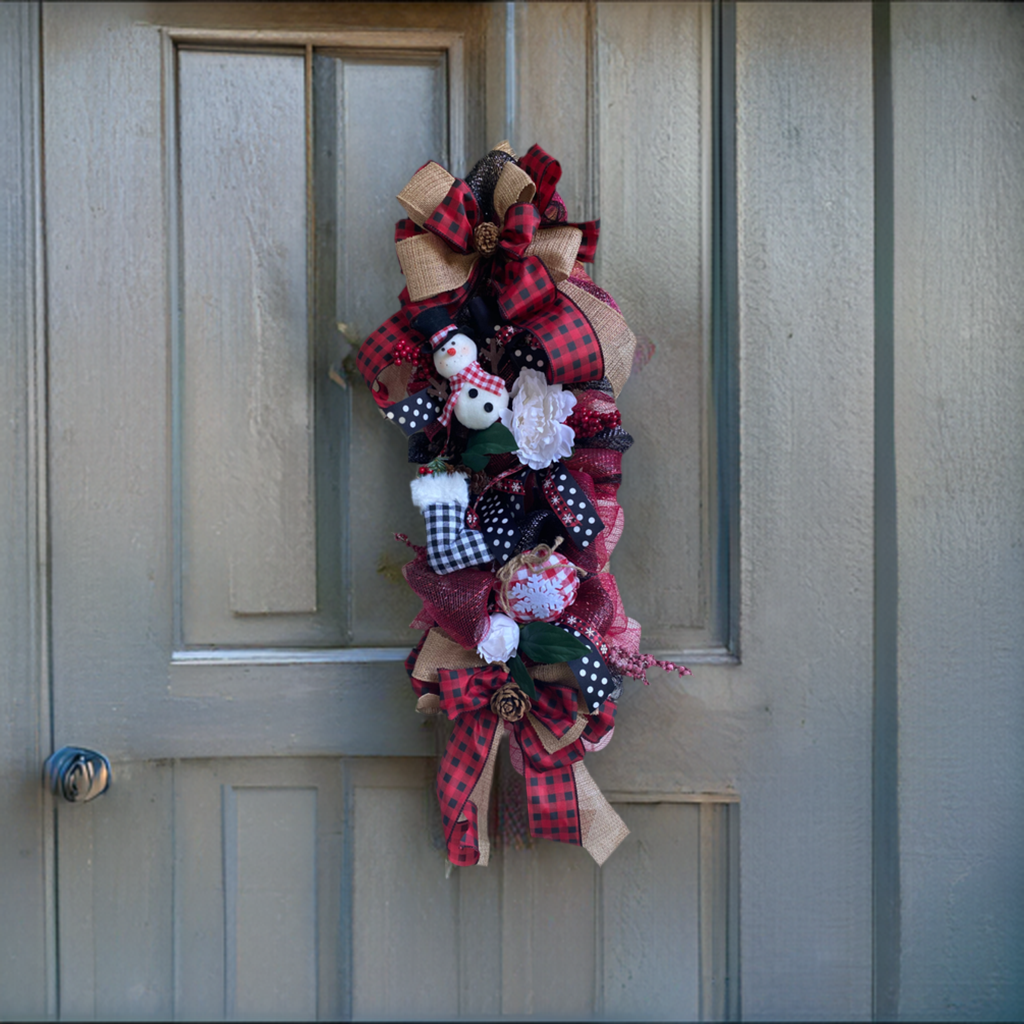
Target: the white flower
(501, 641)
(537, 420)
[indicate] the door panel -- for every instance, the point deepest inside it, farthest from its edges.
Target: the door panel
(654, 170)
(248, 515)
(360, 168)
(542, 931)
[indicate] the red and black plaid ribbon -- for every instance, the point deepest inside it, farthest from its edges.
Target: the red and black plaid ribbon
(526, 293)
(552, 800)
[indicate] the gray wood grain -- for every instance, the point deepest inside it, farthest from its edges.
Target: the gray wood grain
(108, 363)
(651, 915)
(553, 97)
(405, 912)
(270, 847)
(958, 105)
(115, 877)
(654, 258)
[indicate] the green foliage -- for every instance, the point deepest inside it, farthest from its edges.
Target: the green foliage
(546, 644)
(523, 678)
(495, 440)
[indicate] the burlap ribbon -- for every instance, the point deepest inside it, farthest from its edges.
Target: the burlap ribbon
(448, 249)
(563, 801)
(441, 256)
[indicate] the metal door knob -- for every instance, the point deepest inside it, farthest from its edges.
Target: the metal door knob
(77, 774)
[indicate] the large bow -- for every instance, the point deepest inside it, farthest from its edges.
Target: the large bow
(441, 244)
(447, 248)
(563, 801)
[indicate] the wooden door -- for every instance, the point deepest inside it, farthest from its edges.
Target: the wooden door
(226, 624)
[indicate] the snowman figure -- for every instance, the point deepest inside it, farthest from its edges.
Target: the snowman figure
(476, 398)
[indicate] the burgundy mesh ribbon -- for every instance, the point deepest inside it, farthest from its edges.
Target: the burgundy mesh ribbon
(456, 601)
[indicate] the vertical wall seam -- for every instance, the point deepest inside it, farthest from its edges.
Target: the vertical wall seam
(885, 711)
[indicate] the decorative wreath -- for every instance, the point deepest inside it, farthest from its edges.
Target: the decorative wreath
(502, 367)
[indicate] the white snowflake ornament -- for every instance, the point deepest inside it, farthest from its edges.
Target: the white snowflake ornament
(542, 592)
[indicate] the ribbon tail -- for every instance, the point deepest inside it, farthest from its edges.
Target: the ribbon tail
(480, 798)
(463, 786)
(602, 828)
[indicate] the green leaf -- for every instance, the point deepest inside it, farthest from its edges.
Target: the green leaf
(496, 434)
(546, 643)
(523, 678)
(475, 460)
(497, 438)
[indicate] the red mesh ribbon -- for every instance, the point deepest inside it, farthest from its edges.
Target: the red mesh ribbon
(457, 601)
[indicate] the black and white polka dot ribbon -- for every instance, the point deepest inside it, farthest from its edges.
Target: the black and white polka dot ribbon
(572, 506)
(597, 681)
(414, 413)
(500, 512)
(499, 517)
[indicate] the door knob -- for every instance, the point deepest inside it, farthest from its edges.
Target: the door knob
(77, 774)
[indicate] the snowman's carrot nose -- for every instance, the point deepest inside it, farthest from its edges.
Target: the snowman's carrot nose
(451, 351)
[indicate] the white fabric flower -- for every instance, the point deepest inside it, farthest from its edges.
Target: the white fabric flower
(537, 420)
(501, 641)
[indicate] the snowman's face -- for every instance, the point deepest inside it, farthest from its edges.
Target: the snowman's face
(478, 409)
(454, 355)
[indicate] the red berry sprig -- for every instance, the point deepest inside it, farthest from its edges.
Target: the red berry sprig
(588, 422)
(406, 352)
(636, 665)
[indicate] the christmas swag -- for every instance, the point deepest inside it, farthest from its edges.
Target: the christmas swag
(502, 367)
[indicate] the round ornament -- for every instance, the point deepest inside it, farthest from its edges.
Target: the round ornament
(538, 586)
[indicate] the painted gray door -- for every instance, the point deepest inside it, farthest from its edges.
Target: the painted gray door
(225, 624)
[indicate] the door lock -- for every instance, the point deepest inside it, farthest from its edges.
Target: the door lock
(77, 774)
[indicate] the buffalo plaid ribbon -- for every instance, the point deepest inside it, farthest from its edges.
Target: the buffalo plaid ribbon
(519, 272)
(552, 802)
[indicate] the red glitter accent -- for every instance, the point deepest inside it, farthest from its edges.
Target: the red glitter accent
(587, 422)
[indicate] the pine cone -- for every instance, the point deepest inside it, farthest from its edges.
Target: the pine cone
(485, 238)
(510, 703)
